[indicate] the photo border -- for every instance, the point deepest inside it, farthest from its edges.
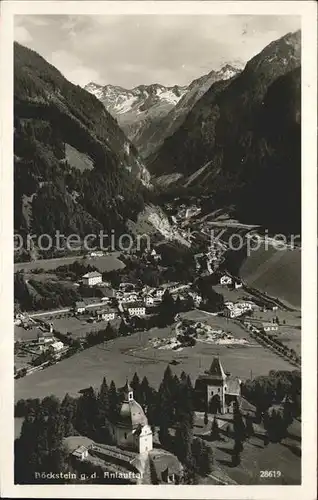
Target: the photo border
(308, 11)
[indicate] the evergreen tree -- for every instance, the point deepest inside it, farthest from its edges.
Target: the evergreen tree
(114, 402)
(202, 456)
(110, 332)
(215, 432)
(123, 329)
(145, 393)
(153, 473)
(50, 404)
(249, 426)
(68, 412)
(183, 443)
(103, 403)
(238, 424)
(288, 412)
(206, 418)
(166, 399)
(184, 405)
(87, 413)
(178, 305)
(236, 458)
(135, 384)
(167, 309)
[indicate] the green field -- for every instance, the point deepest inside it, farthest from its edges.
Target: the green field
(105, 263)
(121, 357)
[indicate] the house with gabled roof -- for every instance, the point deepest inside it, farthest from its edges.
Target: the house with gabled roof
(216, 390)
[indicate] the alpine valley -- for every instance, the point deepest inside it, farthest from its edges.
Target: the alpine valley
(150, 113)
(230, 139)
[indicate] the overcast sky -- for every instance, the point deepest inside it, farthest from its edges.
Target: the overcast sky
(144, 49)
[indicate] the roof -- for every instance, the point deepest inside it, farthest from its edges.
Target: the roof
(80, 304)
(92, 274)
(135, 304)
(216, 370)
(165, 462)
(233, 386)
(106, 310)
(57, 344)
(80, 450)
(74, 442)
(131, 415)
(45, 334)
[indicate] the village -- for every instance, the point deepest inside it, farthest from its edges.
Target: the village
(193, 316)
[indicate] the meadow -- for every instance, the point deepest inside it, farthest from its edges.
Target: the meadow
(275, 272)
(121, 357)
(104, 264)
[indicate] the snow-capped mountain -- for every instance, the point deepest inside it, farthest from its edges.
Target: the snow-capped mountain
(118, 100)
(142, 112)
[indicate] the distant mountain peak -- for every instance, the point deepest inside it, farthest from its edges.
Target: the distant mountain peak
(144, 108)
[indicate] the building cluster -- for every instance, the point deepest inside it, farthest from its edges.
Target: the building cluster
(237, 309)
(132, 437)
(130, 299)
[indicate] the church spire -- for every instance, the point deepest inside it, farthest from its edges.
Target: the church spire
(216, 369)
(128, 391)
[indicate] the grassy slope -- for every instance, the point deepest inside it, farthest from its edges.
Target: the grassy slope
(276, 272)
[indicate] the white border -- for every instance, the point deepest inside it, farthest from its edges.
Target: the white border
(308, 11)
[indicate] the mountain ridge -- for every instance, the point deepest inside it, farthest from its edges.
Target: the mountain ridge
(74, 169)
(244, 131)
(148, 113)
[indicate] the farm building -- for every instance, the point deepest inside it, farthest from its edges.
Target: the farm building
(92, 278)
(269, 327)
(226, 280)
(167, 468)
(81, 452)
(56, 346)
(80, 307)
(45, 338)
(106, 314)
(136, 309)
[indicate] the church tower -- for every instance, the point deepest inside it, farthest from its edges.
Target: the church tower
(216, 390)
(131, 429)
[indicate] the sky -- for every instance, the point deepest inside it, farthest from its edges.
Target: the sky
(130, 50)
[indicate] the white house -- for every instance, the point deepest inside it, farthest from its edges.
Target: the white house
(80, 307)
(159, 293)
(45, 338)
(106, 314)
(196, 297)
(56, 346)
(226, 280)
(238, 284)
(136, 309)
(235, 310)
(149, 301)
(270, 327)
(92, 278)
(81, 452)
(129, 297)
(97, 254)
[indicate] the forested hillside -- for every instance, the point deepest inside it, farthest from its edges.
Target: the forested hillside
(241, 142)
(59, 129)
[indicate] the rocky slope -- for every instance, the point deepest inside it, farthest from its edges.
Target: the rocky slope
(73, 165)
(149, 113)
(241, 140)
